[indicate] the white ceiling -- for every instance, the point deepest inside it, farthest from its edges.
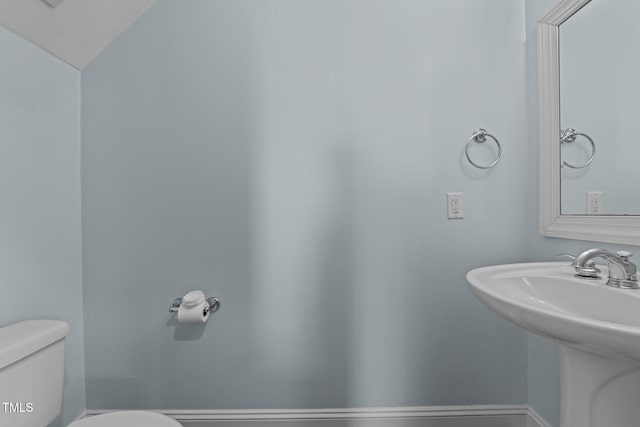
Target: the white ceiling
(76, 30)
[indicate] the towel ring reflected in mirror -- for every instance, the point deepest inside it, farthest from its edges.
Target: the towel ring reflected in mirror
(567, 136)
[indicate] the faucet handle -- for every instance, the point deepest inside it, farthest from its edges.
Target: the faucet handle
(625, 255)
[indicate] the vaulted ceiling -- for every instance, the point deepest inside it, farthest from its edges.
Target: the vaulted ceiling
(73, 30)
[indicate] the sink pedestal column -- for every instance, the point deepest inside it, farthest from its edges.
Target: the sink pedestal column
(598, 391)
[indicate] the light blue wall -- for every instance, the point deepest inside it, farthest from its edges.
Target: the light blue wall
(292, 157)
(40, 251)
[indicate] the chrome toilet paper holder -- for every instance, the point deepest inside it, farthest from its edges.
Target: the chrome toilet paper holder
(213, 304)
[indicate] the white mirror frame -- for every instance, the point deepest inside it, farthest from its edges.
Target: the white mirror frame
(613, 229)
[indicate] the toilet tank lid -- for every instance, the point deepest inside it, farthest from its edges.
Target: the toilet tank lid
(22, 339)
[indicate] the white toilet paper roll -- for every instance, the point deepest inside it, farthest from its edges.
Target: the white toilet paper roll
(195, 314)
(193, 298)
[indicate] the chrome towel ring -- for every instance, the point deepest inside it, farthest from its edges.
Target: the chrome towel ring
(480, 136)
(568, 136)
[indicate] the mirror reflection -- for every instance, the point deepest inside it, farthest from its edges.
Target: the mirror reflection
(600, 109)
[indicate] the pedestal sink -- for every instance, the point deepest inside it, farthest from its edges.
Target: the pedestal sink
(596, 329)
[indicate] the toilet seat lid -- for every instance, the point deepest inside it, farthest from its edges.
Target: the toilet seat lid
(127, 419)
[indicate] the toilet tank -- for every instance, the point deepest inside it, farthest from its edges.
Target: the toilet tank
(31, 372)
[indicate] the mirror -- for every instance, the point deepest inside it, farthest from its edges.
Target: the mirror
(586, 85)
(599, 99)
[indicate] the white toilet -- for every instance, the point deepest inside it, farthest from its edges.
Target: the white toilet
(32, 376)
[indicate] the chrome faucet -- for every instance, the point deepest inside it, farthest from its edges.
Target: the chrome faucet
(622, 272)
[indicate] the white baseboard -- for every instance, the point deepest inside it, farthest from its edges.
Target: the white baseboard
(422, 416)
(535, 420)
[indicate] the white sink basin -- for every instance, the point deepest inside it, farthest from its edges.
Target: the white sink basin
(596, 327)
(547, 299)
